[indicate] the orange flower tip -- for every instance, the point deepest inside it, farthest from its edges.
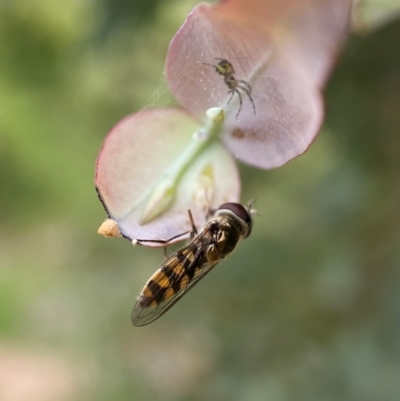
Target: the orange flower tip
(109, 228)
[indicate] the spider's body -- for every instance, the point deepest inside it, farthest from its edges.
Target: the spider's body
(225, 68)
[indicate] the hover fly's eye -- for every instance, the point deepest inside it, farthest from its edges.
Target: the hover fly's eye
(237, 209)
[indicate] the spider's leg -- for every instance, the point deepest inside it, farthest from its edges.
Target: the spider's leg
(211, 65)
(233, 92)
(240, 101)
(245, 83)
(249, 95)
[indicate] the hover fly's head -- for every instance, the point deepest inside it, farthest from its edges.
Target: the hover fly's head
(240, 213)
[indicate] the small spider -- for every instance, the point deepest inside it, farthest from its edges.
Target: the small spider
(225, 68)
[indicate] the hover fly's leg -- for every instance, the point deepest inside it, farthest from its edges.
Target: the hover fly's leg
(166, 242)
(250, 204)
(137, 241)
(193, 231)
(165, 253)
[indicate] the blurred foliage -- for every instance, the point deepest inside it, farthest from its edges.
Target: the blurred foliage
(372, 14)
(120, 12)
(308, 308)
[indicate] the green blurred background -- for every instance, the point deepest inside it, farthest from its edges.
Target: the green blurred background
(308, 308)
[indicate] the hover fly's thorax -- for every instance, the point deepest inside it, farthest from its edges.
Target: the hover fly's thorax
(227, 234)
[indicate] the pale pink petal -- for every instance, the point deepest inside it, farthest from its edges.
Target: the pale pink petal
(135, 158)
(284, 50)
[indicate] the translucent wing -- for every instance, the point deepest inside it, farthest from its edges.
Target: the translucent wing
(176, 276)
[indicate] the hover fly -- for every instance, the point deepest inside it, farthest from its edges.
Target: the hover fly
(226, 227)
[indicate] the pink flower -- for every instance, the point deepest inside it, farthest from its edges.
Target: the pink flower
(156, 164)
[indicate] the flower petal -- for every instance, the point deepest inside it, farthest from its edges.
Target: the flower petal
(133, 175)
(283, 50)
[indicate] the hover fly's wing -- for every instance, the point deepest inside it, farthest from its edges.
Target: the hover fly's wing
(176, 276)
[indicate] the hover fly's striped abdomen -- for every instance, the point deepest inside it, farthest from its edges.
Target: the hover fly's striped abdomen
(173, 275)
